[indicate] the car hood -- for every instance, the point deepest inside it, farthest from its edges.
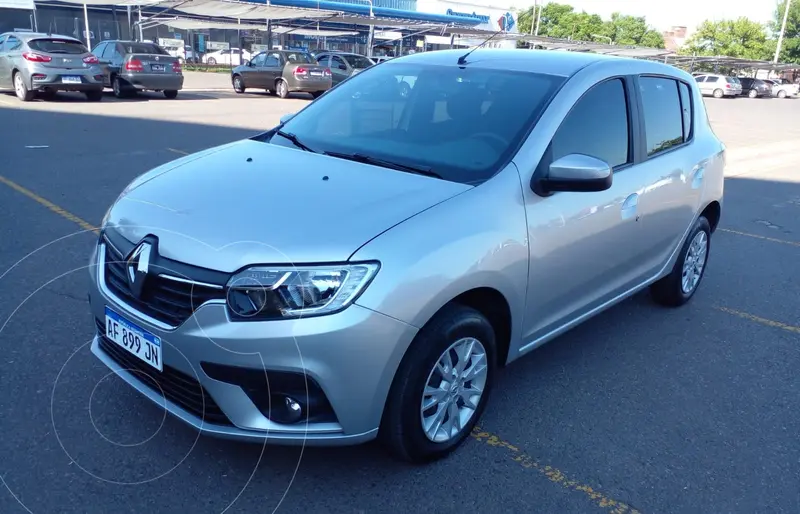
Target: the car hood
(255, 203)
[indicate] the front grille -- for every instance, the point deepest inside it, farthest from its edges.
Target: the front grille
(177, 387)
(168, 301)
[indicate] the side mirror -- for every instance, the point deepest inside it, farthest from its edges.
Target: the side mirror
(248, 63)
(343, 67)
(286, 117)
(576, 173)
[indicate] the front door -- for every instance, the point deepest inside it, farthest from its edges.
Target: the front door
(339, 69)
(253, 74)
(272, 69)
(5, 68)
(583, 245)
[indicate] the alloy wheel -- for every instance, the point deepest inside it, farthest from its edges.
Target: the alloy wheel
(19, 87)
(454, 390)
(694, 262)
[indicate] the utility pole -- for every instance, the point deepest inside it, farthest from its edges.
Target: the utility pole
(539, 18)
(783, 29)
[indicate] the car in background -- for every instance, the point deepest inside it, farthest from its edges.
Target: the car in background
(184, 53)
(282, 72)
(343, 65)
(783, 88)
(755, 88)
(409, 246)
(132, 66)
(718, 86)
(230, 56)
(32, 62)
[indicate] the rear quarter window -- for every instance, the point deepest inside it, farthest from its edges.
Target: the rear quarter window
(57, 46)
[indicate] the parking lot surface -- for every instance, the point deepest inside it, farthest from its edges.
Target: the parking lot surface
(641, 409)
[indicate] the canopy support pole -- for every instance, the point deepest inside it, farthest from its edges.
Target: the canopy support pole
(141, 30)
(269, 35)
(86, 27)
(130, 24)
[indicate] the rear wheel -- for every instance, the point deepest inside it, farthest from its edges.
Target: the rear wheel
(94, 96)
(781, 94)
(22, 91)
(171, 94)
(718, 93)
(317, 94)
(238, 84)
(211, 61)
(121, 89)
(281, 88)
(679, 286)
(441, 387)
(752, 93)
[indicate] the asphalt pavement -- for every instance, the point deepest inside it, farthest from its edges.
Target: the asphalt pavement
(642, 409)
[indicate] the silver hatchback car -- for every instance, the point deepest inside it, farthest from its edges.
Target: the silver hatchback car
(31, 62)
(365, 268)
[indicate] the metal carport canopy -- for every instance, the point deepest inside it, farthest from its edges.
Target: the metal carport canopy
(194, 24)
(220, 8)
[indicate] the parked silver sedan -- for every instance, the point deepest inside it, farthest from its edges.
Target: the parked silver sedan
(365, 268)
(31, 62)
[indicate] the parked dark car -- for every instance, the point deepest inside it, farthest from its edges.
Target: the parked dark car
(755, 88)
(45, 63)
(132, 66)
(282, 72)
(343, 64)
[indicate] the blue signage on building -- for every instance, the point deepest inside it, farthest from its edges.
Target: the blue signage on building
(474, 15)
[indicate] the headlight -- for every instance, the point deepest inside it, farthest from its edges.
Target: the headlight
(274, 292)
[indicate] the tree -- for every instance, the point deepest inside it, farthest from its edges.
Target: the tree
(790, 48)
(623, 29)
(740, 38)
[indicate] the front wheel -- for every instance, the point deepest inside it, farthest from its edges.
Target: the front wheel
(171, 94)
(441, 387)
(679, 286)
(238, 84)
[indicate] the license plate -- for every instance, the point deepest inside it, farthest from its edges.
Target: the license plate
(157, 67)
(316, 73)
(70, 80)
(134, 339)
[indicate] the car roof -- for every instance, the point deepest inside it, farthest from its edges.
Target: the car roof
(27, 36)
(552, 62)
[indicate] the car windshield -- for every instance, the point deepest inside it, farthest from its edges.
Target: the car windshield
(460, 123)
(300, 57)
(143, 48)
(58, 46)
(358, 61)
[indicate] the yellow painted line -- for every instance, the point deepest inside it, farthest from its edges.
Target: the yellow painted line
(763, 238)
(553, 474)
(50, 205)
(175, 150)
(760, 320)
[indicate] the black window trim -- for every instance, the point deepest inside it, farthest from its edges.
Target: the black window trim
(634, 129)
(643, 132)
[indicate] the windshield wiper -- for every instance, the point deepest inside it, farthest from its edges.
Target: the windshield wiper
(368, 159)
(295, 141)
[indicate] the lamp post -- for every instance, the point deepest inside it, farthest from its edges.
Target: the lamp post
(783, 29)
(371, 35)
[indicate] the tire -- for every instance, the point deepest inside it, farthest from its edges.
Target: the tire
(670, 290)
(120, 90)
(238, 84)
(401, 428)
(94, 96)
(211, 61)
(781, 94)
(23, 93)
(718, 93)
(317, 94)
(752, 93)
(171, 94)
(281, 88)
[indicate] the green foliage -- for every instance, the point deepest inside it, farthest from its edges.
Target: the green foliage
(790, 49)
(562, 21)
(741, 38)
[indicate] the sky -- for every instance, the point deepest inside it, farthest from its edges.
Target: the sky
(663, 14)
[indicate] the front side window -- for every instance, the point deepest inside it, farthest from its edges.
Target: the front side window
(2, 41)
(259, 59)
(338, 62)
(596, 126)
(663, 118)
(462, 124)
(358, 61)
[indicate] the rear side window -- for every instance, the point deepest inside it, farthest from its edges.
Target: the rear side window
(143, 48)
(12, 44)
(663, 118)
(596, 126)
(57, 46)
(686, 109)
(299, 57)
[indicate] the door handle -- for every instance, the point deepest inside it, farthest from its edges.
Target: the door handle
(630, 206)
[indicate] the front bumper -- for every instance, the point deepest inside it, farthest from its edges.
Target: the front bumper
(154, 81)
(351, 356)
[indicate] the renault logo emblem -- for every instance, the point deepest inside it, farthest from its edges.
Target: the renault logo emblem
(138, 266)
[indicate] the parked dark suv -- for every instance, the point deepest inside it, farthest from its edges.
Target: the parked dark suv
(755, 88)
(131, 66)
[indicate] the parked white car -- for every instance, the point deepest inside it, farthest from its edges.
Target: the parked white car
(782, 88)
(230, 56)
